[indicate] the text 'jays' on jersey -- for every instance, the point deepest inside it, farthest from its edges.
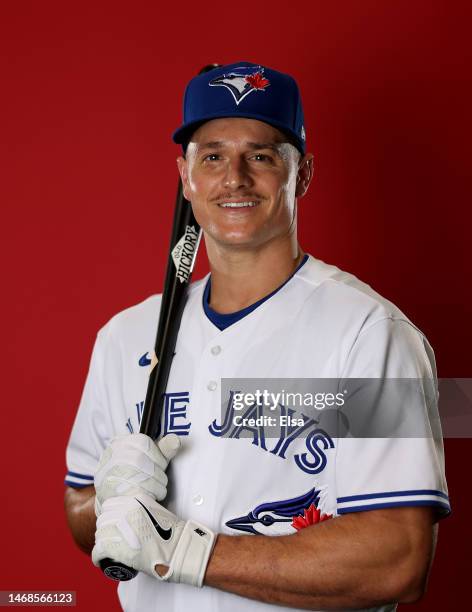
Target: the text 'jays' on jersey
(321, 323)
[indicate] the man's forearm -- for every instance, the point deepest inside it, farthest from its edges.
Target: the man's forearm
(80, 511)
(357, 560)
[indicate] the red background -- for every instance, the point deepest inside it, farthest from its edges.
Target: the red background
(91, 93)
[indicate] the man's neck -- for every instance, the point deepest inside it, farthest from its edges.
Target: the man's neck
(240, 278)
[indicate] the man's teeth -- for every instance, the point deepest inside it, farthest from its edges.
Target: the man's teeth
(238, 204)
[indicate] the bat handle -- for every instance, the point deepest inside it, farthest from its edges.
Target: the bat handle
(116, 570)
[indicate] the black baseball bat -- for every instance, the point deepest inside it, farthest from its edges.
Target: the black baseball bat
(185, 239)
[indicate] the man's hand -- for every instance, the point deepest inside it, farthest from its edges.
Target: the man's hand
(134, 464)
(140, 533)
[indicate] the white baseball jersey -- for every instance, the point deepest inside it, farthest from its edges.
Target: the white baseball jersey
(322, 323)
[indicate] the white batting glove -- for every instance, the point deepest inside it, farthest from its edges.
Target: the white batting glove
(134, 464)
(140, 533)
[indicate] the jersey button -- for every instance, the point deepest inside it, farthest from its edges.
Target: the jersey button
(211, 386)
(215, 350)
(197, 500)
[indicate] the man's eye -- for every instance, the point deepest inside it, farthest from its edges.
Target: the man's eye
(212, 157)
(262, 157)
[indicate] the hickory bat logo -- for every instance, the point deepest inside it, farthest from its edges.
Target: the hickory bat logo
(183, 254)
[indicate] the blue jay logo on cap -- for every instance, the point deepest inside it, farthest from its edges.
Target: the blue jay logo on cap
(241, 83)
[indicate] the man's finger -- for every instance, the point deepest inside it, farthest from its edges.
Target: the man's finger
(169, 445)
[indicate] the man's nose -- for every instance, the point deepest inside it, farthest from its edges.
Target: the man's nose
(237, 174)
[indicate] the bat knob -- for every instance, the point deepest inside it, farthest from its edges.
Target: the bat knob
(117, 571)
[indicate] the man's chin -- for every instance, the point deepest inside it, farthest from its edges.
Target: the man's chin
(237, 241)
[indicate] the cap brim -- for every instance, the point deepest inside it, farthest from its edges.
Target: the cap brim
(183, 134)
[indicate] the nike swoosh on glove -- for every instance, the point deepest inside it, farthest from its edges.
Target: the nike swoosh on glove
(140, 533)
(134, 464)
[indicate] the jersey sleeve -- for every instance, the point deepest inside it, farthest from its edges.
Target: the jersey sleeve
(385, 469)
(92, 426)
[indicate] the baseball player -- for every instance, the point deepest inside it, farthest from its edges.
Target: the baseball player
(353, 517)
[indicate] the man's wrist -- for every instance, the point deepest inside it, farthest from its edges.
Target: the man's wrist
(163, 569)
(192, 555)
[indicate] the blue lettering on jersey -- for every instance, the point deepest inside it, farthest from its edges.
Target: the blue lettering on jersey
(175, 410)
(289, 433)
(221, 430)
(139, 411)
(317, 442)
(314, 440)
(258, 435)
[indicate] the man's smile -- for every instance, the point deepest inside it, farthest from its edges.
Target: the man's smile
(240, 204)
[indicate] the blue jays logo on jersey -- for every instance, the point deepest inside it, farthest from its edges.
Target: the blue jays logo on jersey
(271, 518)
(242, 81)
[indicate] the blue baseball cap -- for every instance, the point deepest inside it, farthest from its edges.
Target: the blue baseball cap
(244, 90)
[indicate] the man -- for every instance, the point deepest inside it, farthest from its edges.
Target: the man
(355, 516)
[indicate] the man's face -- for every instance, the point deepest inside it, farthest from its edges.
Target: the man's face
(242, 180)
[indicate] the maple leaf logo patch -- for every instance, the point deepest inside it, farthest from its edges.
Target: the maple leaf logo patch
(257, 81)
(311, 516)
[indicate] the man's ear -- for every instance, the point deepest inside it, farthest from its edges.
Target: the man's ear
(305, 174)
(183, 171)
